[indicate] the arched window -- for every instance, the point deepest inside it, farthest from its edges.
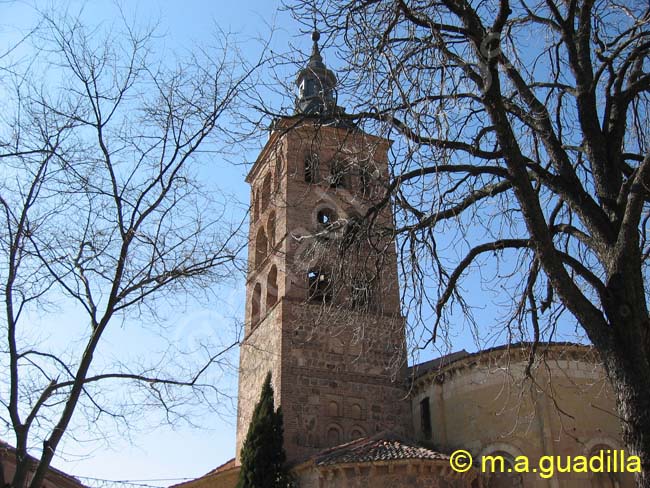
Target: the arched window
(425, 418)
(311, 168)
(261, 246)
(333, 409)
(255, 304)
(266, 191)
(365, 182)
(256, 205)
(333, 435)
(337, 174)
(270, 230)
(326, 216)
(320, 286)
(504, 475)
(357, 433)
(307, 88)
(604, 480)
(278, 172)
(272, 287)
(355, 411)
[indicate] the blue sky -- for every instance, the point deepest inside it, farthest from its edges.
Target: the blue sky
(183, 452)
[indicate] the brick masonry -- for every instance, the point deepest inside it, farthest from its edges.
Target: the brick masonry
(338, 368)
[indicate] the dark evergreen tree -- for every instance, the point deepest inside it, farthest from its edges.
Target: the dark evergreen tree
(262, 455)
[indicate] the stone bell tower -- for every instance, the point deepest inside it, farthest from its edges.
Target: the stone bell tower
(323, 310)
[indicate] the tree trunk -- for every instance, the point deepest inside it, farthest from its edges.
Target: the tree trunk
(22, 464)
(629, 374)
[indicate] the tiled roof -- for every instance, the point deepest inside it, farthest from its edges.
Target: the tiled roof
(224, 467)
(419, 370)
(227, 466)
(373, 449)
(6, 448)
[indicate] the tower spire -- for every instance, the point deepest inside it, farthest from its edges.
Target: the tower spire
(316, 84)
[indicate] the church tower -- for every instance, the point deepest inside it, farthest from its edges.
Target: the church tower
(322, 309)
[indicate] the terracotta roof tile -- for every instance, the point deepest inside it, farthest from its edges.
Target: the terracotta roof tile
(378, 448)
(227, 466)
(6, 448)
(224, 467)
(421, 369)
(418, 370)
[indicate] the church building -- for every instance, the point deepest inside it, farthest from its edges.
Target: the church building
(330, 331)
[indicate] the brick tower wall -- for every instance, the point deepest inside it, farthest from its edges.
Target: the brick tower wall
(344, 384)
(337, 372)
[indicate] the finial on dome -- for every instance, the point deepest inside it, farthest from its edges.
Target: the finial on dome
(316, 60)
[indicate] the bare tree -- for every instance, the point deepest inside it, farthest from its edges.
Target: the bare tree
(101, 210)
(520, 151)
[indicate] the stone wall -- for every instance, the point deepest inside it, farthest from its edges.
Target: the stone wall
(345, 382)
(259, 354)
(393, 474)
